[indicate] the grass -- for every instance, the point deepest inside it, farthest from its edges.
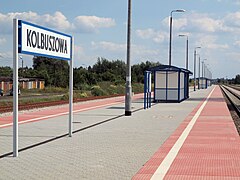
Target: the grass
(49, 94)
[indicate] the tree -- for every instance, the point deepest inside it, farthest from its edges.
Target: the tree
(6, 71)
(139, 69)
(237, 79)
(55, 72)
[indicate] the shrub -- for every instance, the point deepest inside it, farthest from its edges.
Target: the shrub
(138, 88)
(112, 89)
(83, 95)
(97, 91)
(83, 87)
(120, 89)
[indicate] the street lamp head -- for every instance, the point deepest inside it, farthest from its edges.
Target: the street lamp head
(183, 35)
(177, 10)
(170, 39)
(180, 10)
(197, 47)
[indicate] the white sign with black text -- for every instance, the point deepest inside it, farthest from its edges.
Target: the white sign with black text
(42, 41)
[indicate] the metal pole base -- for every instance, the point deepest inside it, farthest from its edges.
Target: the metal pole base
(128, 113)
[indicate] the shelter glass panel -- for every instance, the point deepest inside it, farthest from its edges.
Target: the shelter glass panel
(181, 93)
(172, 95)
(160, 94)
(172, 79)
(182, 80)
(160, 79)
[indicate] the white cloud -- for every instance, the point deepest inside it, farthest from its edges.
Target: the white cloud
(200, 22)
(237, 43)
(232, 21)
(92, 23)
(6, 58)
(235, 57)
(178, 23)
(146, 33)
(118, 51)
(203, 23)
(237, 2)
(210, 42)
(110, 46)
(57, 21)
(156, 36)
(2, 41)
(81, 58)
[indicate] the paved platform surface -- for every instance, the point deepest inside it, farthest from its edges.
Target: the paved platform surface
(210, 149)
(115, 146)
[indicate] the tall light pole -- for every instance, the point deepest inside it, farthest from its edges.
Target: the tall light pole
(128, 94)
(170, 39)
(199, 59)
(184, 35)
(203, 67)
(195, 54)
(206, 71)
(21, 58)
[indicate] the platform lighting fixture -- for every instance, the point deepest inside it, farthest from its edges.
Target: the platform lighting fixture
(203, 67)
(199, 60)
(170, 39)
(128, 93)
(195, 54)
(184, 35)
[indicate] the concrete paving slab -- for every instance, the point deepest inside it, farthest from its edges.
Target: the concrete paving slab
(115, 149)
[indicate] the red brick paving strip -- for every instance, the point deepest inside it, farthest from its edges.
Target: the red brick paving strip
(211, 150)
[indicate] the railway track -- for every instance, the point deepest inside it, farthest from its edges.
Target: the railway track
(4, 109)
(233, 95)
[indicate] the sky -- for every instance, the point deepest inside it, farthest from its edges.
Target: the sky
(99, 28)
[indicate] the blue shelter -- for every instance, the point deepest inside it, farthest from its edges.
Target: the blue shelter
(171, 84)
(204, 82)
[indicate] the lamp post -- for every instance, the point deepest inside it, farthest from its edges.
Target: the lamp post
(128, 94)
(203, 67)
(199, 59)
(195, 54)
(170, 39)
(184, 35)
(206, 71)
(21, 58)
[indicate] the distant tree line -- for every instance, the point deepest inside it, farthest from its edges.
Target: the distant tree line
(235, 80)
(56, 72)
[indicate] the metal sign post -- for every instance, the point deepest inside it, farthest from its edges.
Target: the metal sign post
(35, 40)
(147, 89)
(15, 88)
(71, 93)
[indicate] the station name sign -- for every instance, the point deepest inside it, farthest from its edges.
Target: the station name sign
(41, 41)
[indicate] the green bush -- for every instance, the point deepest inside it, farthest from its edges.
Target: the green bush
(76, 95)
(119, 82)
(120, 89)
(83, 95)
(55, 90)
(97, 91)
(138, 88)
(65, 97)
(112, 90)
(84, 87)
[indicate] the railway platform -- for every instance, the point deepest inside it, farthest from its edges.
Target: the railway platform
(205, 146)
(195, 139)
